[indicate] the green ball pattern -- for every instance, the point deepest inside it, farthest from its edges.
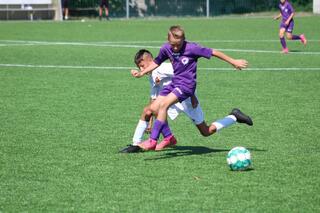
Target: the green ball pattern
(239, 159)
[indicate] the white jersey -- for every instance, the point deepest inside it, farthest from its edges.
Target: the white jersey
(161, 77)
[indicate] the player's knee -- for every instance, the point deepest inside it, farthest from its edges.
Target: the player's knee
(289, 36)
(147, 111)
(205, 133)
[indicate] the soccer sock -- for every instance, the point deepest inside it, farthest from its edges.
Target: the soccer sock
(225, 122)
(157, 128)
(296, 37)
(138, 134)
(166, 132)
(283, 42)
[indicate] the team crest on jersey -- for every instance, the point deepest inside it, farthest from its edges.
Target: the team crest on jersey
(185, 60)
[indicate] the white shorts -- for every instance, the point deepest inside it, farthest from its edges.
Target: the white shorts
(195, 114)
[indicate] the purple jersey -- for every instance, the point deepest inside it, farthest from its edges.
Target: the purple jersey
(286, 10)
(184, 63)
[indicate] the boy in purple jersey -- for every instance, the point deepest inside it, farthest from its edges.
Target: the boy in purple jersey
(184, 56)
(287, 24)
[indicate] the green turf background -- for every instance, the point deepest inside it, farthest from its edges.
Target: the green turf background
(61, 129)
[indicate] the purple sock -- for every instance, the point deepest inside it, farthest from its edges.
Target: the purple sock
(295, 37)
(157, 128)
(166, 132)
(283, 43)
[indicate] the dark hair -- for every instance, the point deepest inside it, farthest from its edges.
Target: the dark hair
(139, 55)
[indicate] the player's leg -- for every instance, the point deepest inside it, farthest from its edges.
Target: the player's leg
(301, 37)
(100, 12)
(107, 12)
(235, 116)
(139, 131)
(142, 125)
(283, 40)
(160, 124)
(206, 130)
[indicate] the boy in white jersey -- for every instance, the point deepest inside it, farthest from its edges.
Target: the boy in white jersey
(159, 78)
(184, 56)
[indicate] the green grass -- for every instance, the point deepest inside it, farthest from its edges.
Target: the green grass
(61, 128)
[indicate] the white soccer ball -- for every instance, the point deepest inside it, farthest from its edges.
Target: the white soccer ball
(239, 159)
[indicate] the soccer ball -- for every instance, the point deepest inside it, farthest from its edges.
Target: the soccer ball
(239, 159)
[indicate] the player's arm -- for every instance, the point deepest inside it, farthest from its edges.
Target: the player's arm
(237, 63)
(289, 19)
(150, 68)
(277, 17)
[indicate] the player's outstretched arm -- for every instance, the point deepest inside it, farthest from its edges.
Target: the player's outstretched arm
(277, 17)
(239, 64)
(150, 68)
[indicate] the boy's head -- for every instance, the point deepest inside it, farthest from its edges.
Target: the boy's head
(176, 37)
(143, 58)
(283, 1)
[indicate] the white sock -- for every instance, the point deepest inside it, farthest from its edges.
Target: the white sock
(138, 134)
(225, 122)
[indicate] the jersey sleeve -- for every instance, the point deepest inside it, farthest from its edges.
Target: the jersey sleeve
(290, 8)
(200, 51)
(162, 56)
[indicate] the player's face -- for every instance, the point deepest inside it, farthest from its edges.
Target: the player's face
(282, 1)
(144, 63)
(176, 44)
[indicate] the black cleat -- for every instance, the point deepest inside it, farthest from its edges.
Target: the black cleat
(131, 149)
(241, 117)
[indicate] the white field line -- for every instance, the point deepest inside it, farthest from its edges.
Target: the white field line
(104, 44)
(160, 42)
(128, 68)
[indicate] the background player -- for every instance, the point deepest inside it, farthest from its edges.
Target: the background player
(104, 4)
(287, 24)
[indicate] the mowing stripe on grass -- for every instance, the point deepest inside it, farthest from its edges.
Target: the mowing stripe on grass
(128, 68)
(160, 42)
(117, 45)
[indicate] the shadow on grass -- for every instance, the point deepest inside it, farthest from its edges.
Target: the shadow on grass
(180, 151)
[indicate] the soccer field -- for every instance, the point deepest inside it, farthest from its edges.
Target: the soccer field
(68, 104)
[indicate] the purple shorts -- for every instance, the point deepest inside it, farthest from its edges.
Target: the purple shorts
(104, 3)
(180, 91)
(288, 28)
(65, 3)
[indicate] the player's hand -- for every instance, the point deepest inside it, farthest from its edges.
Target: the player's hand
(286, 23)
(136, 73)
(157, 80)
(240, 64)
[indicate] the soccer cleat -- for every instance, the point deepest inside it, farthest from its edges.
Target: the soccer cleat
(166, 142)
(149, 144)
(285, 50)
(241, 117)
(130, 149)
(303, 40)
